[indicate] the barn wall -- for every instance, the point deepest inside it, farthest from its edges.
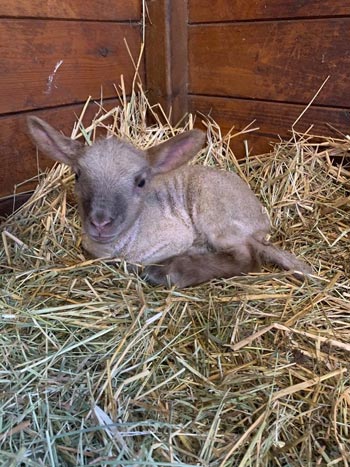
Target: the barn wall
(265, 60)
(53, 55)
(239, 61)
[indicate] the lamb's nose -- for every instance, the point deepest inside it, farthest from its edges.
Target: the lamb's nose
(100, 221)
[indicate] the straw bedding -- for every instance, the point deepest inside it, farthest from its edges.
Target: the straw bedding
(98, 368)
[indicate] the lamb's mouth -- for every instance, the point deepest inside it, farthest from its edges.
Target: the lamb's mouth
(102, 238)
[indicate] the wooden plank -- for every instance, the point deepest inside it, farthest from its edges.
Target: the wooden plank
(166, 56)
(50, 63)
(111, 10)
(274, 119)
(236, 10)
(18, 161)
(283, 61)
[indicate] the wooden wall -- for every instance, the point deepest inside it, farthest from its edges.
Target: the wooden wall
(265, 60)
(53, 56)
(239, 61)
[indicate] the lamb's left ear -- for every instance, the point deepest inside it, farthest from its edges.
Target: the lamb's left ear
(52, 143)
(176, 151)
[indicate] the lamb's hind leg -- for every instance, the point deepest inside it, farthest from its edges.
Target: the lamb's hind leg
(190, 269)
(271, 254)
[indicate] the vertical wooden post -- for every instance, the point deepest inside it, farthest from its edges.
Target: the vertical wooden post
(166, 55)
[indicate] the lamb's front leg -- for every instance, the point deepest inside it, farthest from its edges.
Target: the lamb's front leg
(188, 269)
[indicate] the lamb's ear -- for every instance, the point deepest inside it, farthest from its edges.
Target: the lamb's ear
(175, 151)
(51, 142)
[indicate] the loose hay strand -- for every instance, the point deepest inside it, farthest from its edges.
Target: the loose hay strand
(99, 368)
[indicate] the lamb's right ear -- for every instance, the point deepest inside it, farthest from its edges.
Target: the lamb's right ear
(51, 142)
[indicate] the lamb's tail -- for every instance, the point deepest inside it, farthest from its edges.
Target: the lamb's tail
(270, 254)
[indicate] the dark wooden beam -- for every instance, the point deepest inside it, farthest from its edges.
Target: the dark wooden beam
(166, 55)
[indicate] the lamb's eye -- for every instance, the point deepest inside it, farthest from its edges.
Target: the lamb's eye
(140, 181)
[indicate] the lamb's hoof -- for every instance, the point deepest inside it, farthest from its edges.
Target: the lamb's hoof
(302, 271)
(155, 275)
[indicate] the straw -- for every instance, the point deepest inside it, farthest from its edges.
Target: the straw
(99, 368)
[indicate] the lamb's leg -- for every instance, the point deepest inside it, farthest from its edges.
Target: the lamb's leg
(271, 254)
(189, 269)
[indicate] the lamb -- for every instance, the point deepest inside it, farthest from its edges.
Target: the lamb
(185, 224)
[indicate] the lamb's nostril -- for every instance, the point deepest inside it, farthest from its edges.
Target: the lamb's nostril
(100, 223)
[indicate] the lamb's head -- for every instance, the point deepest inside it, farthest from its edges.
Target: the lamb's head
(112, 175)
(112, 178)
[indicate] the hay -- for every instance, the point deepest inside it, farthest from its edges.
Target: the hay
(98, 368)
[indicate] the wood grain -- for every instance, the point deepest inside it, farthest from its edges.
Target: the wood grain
(18, 159)
(274, 119)
(112, 10)
(236, 10)
(282, 61)
(166, 56)
(49, 63)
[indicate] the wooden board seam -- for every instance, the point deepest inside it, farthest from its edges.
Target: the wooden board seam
(71, 20)
(270, 101)
(267, 20)
(53, 107)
